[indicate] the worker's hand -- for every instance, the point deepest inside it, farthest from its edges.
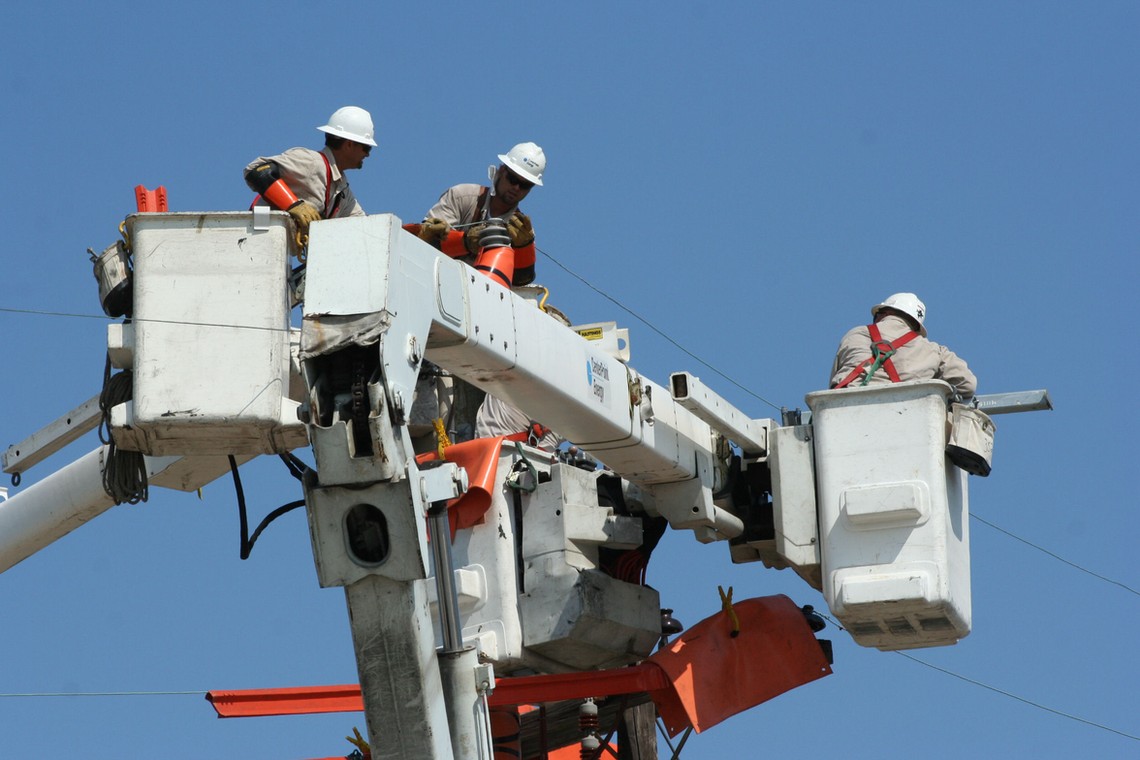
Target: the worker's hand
(304, 214)
(432, 230)
(522, 234)
(471, 238)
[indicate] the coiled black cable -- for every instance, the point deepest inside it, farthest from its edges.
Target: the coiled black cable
(124, 472)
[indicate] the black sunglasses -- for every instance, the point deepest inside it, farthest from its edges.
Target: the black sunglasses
(367, 148)
(518, 181)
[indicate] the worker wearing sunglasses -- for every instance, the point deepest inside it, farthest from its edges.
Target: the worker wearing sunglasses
(452, 223)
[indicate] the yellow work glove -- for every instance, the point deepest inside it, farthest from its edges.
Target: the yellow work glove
(304, 214)
(432, 230)
(522, 234)
(471, 238)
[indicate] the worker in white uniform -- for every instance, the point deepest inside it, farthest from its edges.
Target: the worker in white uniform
(521, 168)
(468, 412)
(894, 348)
(310, 184)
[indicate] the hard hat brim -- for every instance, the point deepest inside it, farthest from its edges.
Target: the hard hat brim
(347, 135)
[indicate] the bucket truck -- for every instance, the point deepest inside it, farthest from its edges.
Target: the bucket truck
(469, 569)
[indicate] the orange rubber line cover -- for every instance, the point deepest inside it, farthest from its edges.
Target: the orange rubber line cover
(453, 244)
(480, 458)
(715, 675)
(498, 263)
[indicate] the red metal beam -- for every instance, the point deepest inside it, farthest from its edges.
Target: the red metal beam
(301, 700)
(716, 669)
(306, 700)
(527, 690)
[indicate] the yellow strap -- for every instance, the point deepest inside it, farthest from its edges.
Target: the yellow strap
(441, 436)
(726, 606)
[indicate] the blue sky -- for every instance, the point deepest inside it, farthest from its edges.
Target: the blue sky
(749, 178)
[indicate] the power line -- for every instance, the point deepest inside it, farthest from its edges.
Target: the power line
(42, 313)
(1057, 557)
(654, 328)
(1004, 693)
(1029, 702)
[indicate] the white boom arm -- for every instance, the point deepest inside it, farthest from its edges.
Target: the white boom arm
(368, 280)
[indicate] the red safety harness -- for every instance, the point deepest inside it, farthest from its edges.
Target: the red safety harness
(330, 213)
(532, 436)
(881, 353)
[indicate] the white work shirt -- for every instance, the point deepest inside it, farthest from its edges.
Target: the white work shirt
(306, 174)
(496, 417)
(457, 205)
(918, 359)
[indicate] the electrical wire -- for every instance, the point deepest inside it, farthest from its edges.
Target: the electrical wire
(996, 690)
(134, 320)
(43, 313)
(1057, 557)
(654, 328)
(1029, 702)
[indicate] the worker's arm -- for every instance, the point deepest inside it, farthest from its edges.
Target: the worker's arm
(953, 370)
(458, 204)
(265, 179)
(853, 350)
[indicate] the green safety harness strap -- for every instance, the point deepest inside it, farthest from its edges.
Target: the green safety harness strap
(881, 353)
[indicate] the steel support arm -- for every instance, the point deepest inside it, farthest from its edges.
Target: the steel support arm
(47, 511)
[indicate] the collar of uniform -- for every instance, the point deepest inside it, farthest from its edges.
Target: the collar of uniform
(336, 174)
(894, 325)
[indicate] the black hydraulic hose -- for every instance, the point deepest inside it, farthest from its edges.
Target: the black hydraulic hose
(295, 464)
(247, 540)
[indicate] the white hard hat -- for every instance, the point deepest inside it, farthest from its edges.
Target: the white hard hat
(351, 123)
(908, 304)
(526, 160)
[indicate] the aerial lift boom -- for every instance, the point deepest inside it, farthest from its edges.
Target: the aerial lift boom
(495, 557)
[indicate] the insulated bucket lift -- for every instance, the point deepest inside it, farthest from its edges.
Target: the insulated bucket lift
(502, 559)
